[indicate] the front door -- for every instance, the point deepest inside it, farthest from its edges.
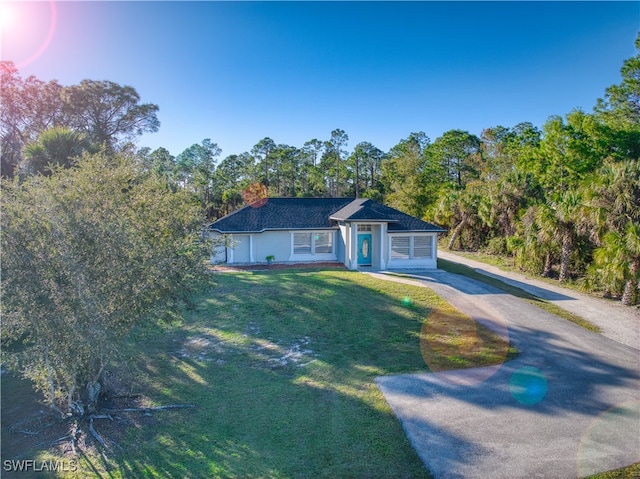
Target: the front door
(364, 249)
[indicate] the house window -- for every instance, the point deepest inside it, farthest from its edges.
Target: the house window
(411, 247)
(301, 243)
(323, 243)
(400, 247)
(313, 242)
(364, 227)
(422, 247)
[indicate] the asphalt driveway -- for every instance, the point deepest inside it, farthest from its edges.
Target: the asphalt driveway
(567, 407)
(618, 322)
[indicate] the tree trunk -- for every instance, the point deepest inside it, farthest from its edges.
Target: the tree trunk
(52, 389)
(357, 177)
(565, 256)
(546, 271)
(630, 287)
(629, 292)
(457, 231)
(93, 394)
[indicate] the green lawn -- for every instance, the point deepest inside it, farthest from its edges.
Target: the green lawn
(281, 368)
(630, 472)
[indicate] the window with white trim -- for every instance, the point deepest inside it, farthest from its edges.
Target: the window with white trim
(301, 243)
(313, 242)
(400, 247)
(323, 243)
(422, 247)
(411, 247)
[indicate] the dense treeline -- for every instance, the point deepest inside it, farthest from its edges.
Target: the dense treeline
(563, 200)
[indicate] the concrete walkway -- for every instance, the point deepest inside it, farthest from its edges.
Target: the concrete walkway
(567, 407)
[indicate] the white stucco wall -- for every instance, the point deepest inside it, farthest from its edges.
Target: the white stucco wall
(241, 252)
(254, 248)
(343, 233)
(340, 246)
(272, 243)
(377, 242)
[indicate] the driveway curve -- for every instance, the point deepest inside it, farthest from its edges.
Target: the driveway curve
(568, 406)
(618, 322)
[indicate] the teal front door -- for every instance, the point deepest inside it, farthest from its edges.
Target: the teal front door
(364, 249)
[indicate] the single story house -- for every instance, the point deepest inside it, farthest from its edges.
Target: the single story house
(358, 232)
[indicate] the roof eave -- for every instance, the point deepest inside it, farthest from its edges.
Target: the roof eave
(363, 220)
(333, 228)
(436, 230)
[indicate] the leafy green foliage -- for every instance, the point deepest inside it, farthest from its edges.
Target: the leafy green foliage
(105, 113)
(58, 146)
(89, 252)
(566, 198)
(456, 156)
(405, 175)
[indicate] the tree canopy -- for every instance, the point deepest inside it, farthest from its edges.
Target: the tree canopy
(104, 112)
(87, 253)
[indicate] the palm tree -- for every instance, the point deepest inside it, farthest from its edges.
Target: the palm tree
(557, 222)
(537, 241)
(460, 208)
(56, 146)
(613, 210)
(632, 252)
(566, 212)
(500, 204)
(616, 264)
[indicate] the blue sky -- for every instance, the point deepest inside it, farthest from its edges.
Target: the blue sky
(237, 72)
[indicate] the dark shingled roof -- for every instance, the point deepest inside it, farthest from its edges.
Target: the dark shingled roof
(281, 214)
(363, 209)
(359, 209)
(315, 213)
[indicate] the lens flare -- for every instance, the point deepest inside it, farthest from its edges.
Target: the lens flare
(611, 440)
(448, 341)
(528, 385)
(256, 195)
(7, 16)
(27, 29)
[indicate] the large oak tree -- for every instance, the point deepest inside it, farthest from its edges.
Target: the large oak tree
(88, 253)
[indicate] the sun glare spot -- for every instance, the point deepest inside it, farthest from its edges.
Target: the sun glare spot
(27, 29)
(7, 15)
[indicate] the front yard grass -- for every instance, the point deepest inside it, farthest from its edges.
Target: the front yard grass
(281, 368)
(629, 472)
